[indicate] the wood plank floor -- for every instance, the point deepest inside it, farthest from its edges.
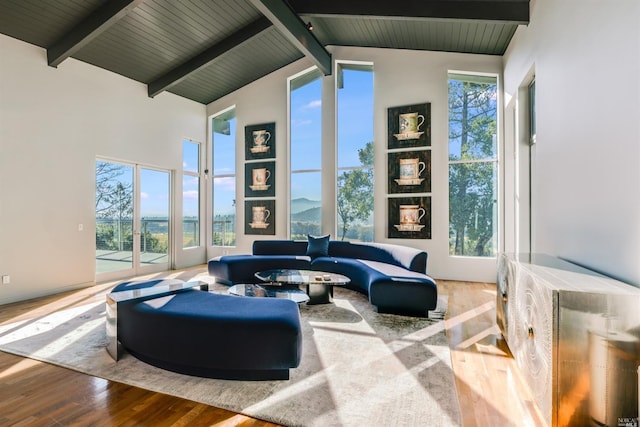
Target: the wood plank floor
(490, 389)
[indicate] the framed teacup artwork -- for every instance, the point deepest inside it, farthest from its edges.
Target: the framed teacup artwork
(260, 179)
(409, 218)
(409, 126)
(259, 217)
(260, 141)
(409, 171)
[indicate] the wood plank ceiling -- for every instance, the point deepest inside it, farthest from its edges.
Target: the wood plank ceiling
(205, 49)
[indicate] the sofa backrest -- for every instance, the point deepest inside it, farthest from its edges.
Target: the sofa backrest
(279, 247)
(402, 256)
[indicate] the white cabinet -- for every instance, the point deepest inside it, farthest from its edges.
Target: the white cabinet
(575, 335)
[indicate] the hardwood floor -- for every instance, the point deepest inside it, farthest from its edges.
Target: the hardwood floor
(490, 389)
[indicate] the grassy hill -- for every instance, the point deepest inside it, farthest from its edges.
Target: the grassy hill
(303, 204)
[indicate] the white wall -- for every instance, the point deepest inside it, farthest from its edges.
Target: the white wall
(401, 77)
(586, 178)
(53, 125)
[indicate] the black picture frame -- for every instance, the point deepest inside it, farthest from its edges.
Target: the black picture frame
(266, 227)
(255, 189)
(399, 138)
(420, 229)
(267, 150)
(399, 183)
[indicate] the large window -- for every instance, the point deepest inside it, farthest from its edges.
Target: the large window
(355, 151)
(224, 178)
(306, 154)
(473, 165)
(190, 194)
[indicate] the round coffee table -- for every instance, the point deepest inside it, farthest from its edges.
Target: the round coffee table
(287, 292)
(319, 284)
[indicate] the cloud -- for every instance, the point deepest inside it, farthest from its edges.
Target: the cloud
(223, 171)
(317, 103)
(144, 195)
(298, 123)
(191, 194)
(225, 183)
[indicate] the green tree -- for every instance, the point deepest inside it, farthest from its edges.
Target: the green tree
(114, 203)
(472, 130)
(113, 197)
(355, 191)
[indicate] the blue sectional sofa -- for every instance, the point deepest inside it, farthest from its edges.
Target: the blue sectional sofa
(393, 276)
(212, 335)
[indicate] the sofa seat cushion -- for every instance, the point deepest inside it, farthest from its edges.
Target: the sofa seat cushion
(142, 284)
(392, 270)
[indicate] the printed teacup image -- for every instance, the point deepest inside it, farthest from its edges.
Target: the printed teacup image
(411, 214)
(410, 217)
(260, 176)
(260, 141)
(260, 216)
(410, 171)
(410, 122)
(409, 126)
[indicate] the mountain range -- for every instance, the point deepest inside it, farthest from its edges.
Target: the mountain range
(303, 209)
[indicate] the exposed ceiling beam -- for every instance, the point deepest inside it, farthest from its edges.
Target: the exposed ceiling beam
(295, 30)
(512, 11)
(88, 29)
(180, 72)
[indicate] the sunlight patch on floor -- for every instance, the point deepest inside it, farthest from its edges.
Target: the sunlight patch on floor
(23, 365)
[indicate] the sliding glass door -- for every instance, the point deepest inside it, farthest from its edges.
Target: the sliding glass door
(153, 220)
(133, 220)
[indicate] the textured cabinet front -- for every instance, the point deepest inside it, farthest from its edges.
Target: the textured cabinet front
(575, 336)
(530, 328)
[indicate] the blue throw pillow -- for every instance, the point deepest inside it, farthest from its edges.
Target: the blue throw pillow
(318, 246)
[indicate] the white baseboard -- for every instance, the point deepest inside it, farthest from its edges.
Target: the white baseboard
(45, 293)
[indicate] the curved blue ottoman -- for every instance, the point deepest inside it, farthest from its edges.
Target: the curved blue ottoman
(211, 335)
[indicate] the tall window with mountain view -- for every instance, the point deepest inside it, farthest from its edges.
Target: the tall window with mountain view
(355, 151)
(473, 165)
(223, 127)
(305, 102)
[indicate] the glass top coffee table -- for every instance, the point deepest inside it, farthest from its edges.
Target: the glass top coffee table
(293, 293)
(319, 284)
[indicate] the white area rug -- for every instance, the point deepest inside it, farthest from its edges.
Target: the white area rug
(359, 368)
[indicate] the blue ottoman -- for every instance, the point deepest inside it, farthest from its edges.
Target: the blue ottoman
(211, 335)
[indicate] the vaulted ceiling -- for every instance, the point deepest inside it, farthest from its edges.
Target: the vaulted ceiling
(205, 49)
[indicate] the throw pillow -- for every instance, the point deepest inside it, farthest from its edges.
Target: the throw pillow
(317, 246)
